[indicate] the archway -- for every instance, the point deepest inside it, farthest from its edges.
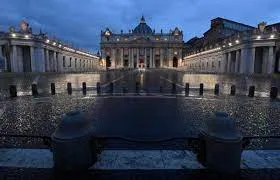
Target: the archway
(108, 61)
(175, 62)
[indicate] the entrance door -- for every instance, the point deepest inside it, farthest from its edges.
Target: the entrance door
(175, 62)
(108, 61)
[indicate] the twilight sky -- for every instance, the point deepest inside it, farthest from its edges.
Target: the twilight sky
(80, 21)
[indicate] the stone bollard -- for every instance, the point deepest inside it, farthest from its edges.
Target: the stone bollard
(72, 143)
(251, 91)
(201, 89)
(84, 88)
(273, 92)
(69, 88)
(217, 89)
(173, 90)
(161, 89)
(223, 144)
(34, 90)
(111, 86)
(233, 90)
(98, 88)
(13, 91)
(187, 89)
(53, 88)
(137, 87)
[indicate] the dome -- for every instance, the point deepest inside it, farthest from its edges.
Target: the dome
(142, 28)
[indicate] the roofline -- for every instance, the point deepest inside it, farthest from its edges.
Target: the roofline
(273, 24)
(233, 22)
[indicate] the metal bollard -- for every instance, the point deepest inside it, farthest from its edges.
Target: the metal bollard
(69, 88)
(111, 86)
(217, 89)
(34, 90)
(98, 88)
(232, 90)
(273, 92)
(84, 85)
(137, 87)
(173, 90)
(251, 91)
(13, 91)
(161, 89)
(53, 88)
(187, 89)
(201, 89)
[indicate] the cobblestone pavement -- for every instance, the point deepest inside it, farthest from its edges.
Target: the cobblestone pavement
(148, 114)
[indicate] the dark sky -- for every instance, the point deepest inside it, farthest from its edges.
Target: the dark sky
(80, 21)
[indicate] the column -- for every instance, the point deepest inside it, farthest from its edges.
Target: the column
(40, 59)
(113, 65)
(59, 62)
(265, 55)
(252, 53)
(145, 57)
(271, 60)
(137, 58)
(154, 57)
(228, 62)
(54, 62)
(47, 62)
(223, 63)
(161, 57)
(237, 61)
(32, 60)
(151, 57)
(122, 62)
(13, 57)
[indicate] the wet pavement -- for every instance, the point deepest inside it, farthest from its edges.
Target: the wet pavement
(145, 115)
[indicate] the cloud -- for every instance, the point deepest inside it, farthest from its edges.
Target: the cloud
(81, 21)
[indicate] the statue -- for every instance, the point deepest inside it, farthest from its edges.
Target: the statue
(11, 29)
(24, 27)
(261, 26)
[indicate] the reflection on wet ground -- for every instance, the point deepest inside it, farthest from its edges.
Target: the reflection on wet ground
(144, 116)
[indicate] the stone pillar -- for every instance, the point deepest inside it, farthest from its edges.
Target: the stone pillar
(47, 62)
(271, 60)
(122, 62)
(13, 57)
(41, 59)
(54, 61)
(59, 62)
(161, 57)
(32, 60)
(264, 59)
(20, 59)
(137, 58)
(228, 62)
(223, 63)
(151, 57)
(145, 57)
(237, 61)
(252, 60)
(154, 58)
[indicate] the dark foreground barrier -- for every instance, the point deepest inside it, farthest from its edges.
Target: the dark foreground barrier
(98, 88)
(84, 88)
(217, 89)
(251, 91)
(233, 90)
(273, 92)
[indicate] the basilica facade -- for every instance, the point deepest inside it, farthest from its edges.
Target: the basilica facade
(142, 48)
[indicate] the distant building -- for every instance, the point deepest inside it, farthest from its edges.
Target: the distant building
(142, 47)
(232, 47)
(24, 51)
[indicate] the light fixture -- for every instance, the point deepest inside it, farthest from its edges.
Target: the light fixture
(272, 36)
(47, 41)
(54, 43)
(224, 46)
(237, 41)
(230, 44)
(259, 37)
(165, 39)
(26, 36)
(59, 45)
(118, 39)
(14, 35)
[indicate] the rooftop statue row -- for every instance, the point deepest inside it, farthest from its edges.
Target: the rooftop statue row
(142, 29)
